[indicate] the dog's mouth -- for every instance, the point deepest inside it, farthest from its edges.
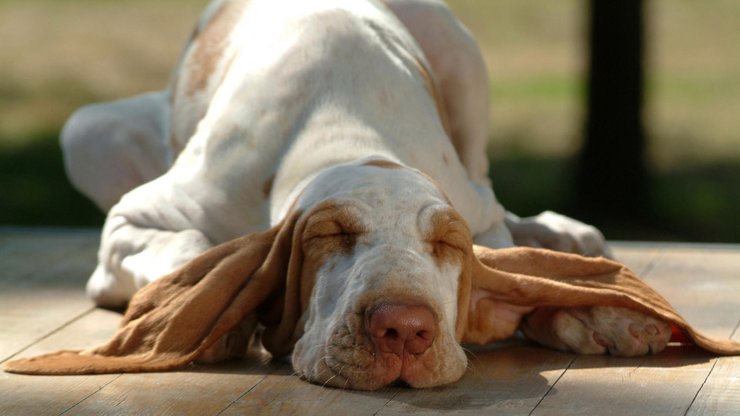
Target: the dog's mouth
(350, 359)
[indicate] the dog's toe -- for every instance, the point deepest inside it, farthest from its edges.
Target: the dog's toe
(618, 331)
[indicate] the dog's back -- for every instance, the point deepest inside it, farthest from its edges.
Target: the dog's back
(286, 90)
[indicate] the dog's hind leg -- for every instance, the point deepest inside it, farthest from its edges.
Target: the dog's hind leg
(111, 148)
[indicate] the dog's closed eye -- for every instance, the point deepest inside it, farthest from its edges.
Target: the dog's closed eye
(333, 225)
(329, 233)
(448, 236)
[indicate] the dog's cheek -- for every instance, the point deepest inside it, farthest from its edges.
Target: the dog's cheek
(305, 357)
(449, 367)
(310, 349)
(455, 367)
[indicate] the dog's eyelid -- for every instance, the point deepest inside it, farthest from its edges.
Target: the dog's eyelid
(448, 230)
(449, 243)
(332, 219)
(329, 229)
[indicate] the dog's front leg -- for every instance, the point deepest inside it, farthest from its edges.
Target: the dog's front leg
(597, 330)
(132, 256)
(557, 232)
(152, 231)
(111, 148)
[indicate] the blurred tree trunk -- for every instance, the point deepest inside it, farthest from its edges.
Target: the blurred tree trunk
(611, 175)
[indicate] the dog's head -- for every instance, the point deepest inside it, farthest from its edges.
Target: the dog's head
(385, 251)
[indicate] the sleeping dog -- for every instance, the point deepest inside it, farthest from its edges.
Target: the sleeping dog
(350, 134)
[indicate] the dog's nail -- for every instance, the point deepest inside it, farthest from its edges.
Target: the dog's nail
(652, 329)
(634, 330)
(600, 340)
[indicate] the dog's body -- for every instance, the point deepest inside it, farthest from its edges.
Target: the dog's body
(370, 118)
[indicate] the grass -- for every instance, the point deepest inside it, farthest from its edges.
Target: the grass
(56, 56)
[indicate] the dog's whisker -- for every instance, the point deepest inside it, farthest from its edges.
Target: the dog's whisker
(329, 380)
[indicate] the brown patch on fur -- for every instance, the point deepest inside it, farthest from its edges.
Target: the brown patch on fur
(210, 43)
(431, 87)
(330, 229)
(449, 237)
(385, 164)
(267, 186)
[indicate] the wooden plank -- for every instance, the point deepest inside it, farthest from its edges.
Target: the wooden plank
(638, 259)
(201, 390)
(704, 287)
(509, 380)
(282, 393)
(35, 303)
(197, 390)
(153, 393)
(720, 394)
(46, 395)
(661, 385)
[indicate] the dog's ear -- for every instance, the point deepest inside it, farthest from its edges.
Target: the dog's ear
(172, 321)
(505, 284)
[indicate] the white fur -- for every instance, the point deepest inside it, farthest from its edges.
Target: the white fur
(302, 95)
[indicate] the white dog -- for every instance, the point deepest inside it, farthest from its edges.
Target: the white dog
(366, 119)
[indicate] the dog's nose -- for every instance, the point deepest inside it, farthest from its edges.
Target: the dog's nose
(402, 329)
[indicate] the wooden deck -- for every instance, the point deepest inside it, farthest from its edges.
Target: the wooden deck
(43, 308)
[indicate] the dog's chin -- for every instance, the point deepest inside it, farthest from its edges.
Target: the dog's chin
(351, 362)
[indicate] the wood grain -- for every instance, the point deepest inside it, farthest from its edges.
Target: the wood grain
(203, 390)
(43, 395)
(41, 287)
(704, 287)
(638, 259)
(659, 385)
(720, 394)
(509, 380)
(282, 393)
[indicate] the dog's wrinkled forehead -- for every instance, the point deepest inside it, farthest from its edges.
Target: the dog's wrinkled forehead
(376, 183)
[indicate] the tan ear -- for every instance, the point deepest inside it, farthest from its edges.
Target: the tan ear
(529, 278)
(170, 322)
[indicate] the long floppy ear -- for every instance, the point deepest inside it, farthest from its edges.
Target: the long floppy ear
(528, 278)
(170, 322)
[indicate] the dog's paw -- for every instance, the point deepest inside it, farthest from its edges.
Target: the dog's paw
(557, 232)
(599, 330)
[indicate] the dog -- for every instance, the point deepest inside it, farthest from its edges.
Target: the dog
(354, 132)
